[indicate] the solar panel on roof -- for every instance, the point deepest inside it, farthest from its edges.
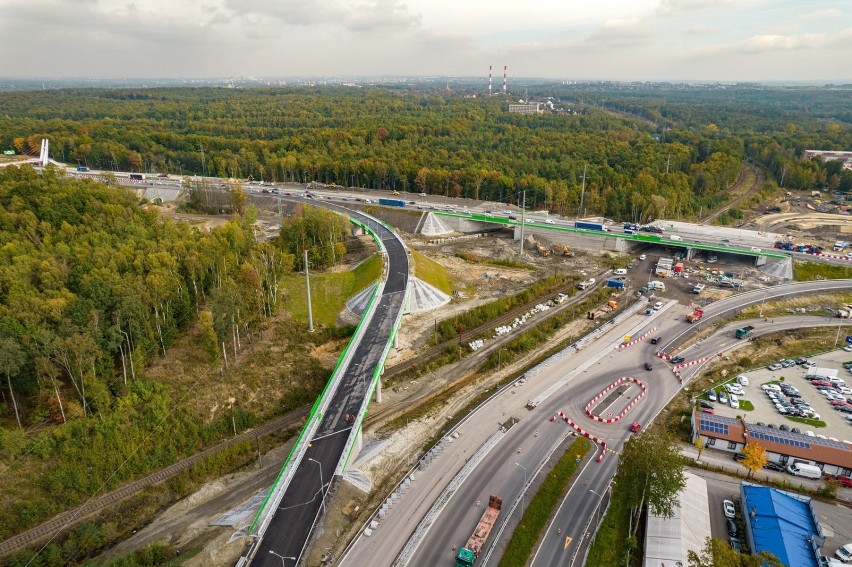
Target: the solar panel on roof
(707, 425)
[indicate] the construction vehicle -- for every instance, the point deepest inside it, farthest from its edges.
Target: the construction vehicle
(468, 554)
(695, 315)
(562, 249)
(744, 332)
(544, 252)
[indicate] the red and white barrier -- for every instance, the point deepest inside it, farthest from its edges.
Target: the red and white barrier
(609, 389)
(834, 257)
(633, 342)
(691, 363)
(585, 434)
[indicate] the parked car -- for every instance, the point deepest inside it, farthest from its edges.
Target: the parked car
(732, 527)
(723, 398)
(784, 427)
(642, 256)
(739, 457)
(801, 360)
(734, 389)
(787, 363)
(842, 480)
(768, 387)
(774, 366)
(729, 509)
(736, 544)
(705, 404)
(844, 553)
(773, 466)
(711, 395)
(734, 401)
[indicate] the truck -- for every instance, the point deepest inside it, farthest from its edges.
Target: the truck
(698, 288)
(696, 315)
(614, 283)
(468, 554)
(139, 176)
(590, 225)
(659, 286)
(744, 332)
(392, 202)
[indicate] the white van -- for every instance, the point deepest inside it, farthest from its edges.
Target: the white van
(675, 237)
(805, 470)
(743, 380)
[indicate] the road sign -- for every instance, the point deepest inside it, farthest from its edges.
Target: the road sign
(567, 541)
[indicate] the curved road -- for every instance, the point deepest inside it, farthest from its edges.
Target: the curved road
(299, 509)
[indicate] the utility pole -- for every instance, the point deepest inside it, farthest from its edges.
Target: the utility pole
(308, 285)
(523, 220)
(583, 191)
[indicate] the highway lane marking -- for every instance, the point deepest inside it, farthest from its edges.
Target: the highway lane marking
(319, 437)
(567, 542)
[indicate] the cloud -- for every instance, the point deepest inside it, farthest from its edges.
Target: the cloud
(678, 7)
(618, 33)
(382, 15)
(701, 30)
(771, 43)
(827, 13)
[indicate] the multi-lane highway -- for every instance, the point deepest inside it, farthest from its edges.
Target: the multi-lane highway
(293, 521)
(528, 443)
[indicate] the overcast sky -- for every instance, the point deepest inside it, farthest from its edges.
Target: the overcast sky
(746, 40)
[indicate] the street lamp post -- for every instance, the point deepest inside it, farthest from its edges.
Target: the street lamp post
(322, 484)
(524, 489)
(282, 557)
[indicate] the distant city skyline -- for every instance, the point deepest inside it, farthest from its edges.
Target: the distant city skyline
(621, 40)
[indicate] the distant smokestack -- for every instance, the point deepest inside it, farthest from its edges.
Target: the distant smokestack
(489, 80)
(504, 79)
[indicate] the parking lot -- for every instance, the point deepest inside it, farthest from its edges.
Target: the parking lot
(765, 411)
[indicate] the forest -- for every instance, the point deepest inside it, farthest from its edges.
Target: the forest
(661, 154)
(93, 288)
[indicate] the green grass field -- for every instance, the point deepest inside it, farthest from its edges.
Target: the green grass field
(431, 272)
(329, 291)
(806, 271)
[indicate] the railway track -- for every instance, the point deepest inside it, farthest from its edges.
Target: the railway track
(98, 504)
(435, 350)
(755, 187)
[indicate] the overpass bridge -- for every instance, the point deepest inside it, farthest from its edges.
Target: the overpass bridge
(619, 240)
(332, 434)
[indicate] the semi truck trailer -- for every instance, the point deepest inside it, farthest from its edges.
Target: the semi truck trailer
(468, 554)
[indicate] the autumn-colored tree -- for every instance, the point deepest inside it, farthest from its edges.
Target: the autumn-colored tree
(717, 553)
(755, 458)
(11, 360)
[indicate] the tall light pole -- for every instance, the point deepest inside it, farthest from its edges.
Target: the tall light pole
(322, 484)
(308, 286)
(282, 557)
(524, 489)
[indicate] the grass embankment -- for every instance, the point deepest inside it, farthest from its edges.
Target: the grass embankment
(610, 546)
(472, 258)
(431, 272)
(535, 518)
(807, 271)
(329, 291)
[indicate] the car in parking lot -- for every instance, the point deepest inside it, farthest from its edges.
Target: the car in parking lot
(801, 360)
(734, 389)
(784, 427)
(774, 366)
(642, 256)
(773, 466)
(768, 387)
(842, 480)
(734, 401)
(723, 398)
(732, 527)
(787, 363)
(848, 348)
(808, 364)
(729, 509)
(705, 404)
(844, 409)
(736, 544)
(844, 553)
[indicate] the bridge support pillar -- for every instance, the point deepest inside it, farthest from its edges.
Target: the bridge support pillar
(690, 252)
(356, 230)
(379, 390)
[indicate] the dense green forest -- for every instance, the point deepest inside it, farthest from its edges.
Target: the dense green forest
(93, 288)
(661, 155)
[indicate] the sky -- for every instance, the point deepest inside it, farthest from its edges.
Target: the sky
(630, 40)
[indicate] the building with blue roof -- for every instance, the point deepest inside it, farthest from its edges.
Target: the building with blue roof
(783, 523)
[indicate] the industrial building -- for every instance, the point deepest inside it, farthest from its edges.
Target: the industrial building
(783, 523)
(782, 447)
(668, 540)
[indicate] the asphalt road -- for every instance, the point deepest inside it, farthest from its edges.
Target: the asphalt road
(303, 500)
(502, 471)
